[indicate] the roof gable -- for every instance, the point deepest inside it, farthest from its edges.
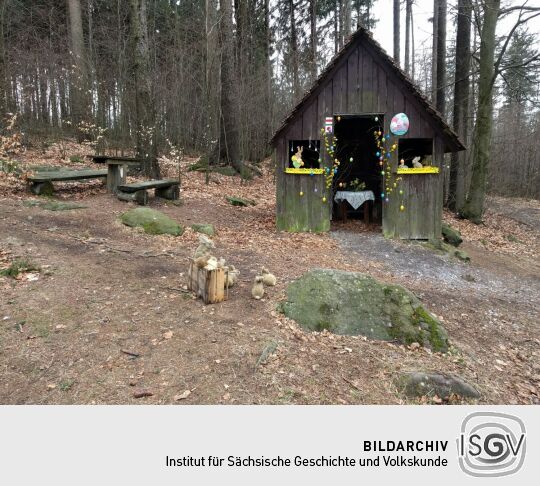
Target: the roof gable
(376, 50)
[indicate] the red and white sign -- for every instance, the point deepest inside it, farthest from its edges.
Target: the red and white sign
(329, 124)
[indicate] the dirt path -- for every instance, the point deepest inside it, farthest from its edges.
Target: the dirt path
(106, 289)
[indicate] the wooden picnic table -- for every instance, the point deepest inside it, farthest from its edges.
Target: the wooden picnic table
(117, 170)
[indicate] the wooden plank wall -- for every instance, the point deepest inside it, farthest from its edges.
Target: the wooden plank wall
(361, 82)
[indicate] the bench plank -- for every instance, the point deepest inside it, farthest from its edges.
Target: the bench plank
(155, 184)
(100, 159)
(67, 175)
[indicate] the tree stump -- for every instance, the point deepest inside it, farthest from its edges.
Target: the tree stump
(209, 285)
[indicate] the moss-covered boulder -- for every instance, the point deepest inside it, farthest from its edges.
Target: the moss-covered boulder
(53, 205)
(419, 384)
(207, 229)
(153, 222)
(462, 255)
(356, 304)
(238, 201)
(451, 235)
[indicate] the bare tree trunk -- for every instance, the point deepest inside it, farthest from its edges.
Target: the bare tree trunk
(412, 45)
(4, 92)
(441, 58)
(396, 32)
(312, 39)
(230, 117)
(268, 61)
(461, 103)
(336, 25)
(474, 204)
(434, 80)
(145, 115)
(408, 21)
(294, 51)
(79, 82)
(212, 82)
(346, 25)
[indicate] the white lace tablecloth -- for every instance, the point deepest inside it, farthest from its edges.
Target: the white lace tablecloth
(355, 199)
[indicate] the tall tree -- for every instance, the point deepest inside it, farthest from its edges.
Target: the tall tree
(4, 91)
(312, 39)
(293, 47)
(145, 110)
(474, 204)
(230, 117)
(456, 197)
(434, 50)
(408, 33)
(397, 23)
(346, 20)
(79, 86)
(440, 86)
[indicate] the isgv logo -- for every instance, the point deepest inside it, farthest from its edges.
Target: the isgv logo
(491, 444)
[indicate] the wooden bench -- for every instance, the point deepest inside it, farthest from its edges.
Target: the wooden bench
(101, 159)
(41, 183)
(165, 188)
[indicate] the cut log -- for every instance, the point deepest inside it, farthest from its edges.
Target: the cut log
(140, 197)
(209, 285)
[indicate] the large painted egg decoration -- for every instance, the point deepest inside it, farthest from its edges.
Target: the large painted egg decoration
(399, 124)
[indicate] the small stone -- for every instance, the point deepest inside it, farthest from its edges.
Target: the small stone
(418, 384)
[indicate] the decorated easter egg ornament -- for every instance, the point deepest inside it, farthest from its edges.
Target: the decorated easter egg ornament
(399, 125)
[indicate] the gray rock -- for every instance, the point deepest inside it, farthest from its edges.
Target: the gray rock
(418, 384)
(451, 235)
(153, 222)
(356, 304)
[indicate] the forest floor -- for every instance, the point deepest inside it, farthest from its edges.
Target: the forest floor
(107, 318)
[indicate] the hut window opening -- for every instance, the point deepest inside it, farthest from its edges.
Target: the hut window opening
(304, 154)
(414, 151)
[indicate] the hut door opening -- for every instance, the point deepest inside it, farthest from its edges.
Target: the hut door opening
(359, 166)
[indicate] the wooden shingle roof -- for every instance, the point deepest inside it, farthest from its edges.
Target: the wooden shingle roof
(363, 35)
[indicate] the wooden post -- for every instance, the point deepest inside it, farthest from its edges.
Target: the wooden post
(116, 175)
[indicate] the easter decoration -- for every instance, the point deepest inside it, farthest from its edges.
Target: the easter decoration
(330, 146)
(297, 158)
(399, 125)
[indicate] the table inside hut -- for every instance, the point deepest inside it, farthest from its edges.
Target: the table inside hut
(355, 199)
(116, 169)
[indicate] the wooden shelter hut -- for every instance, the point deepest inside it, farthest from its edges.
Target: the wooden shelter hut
(355, 99)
